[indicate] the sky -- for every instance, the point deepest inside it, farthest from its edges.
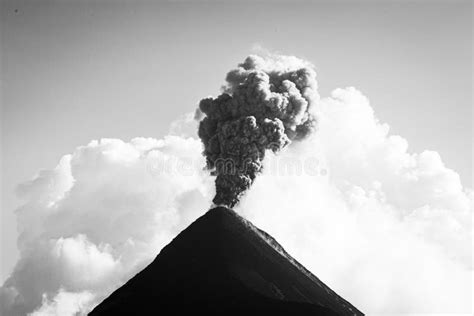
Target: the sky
(77, 71)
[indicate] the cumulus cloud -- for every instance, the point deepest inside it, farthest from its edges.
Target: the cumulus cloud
(98, 218)
(64, 303)
(387, 229)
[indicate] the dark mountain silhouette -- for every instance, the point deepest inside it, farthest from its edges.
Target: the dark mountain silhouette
(223, 265)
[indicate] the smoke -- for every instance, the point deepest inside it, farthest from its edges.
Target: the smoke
(266, 104)
(388, 229)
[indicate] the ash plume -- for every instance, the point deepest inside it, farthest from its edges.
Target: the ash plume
(265, 105)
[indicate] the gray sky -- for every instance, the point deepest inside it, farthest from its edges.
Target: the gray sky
(75, 71)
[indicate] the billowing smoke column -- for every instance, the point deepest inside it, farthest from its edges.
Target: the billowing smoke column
(265, 105)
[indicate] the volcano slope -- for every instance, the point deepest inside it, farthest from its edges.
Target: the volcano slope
(223, 265)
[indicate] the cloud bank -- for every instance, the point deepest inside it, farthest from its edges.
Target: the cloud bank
(387, 229)
(98, 218)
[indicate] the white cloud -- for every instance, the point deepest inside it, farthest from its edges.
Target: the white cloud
(102, 215)
(387, 229)
(64, 304)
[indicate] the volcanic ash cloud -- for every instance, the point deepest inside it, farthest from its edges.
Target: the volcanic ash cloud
(267, 102)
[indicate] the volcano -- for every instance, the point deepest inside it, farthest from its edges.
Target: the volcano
(223, 265)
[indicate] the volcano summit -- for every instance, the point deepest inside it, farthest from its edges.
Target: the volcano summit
(223, 265)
